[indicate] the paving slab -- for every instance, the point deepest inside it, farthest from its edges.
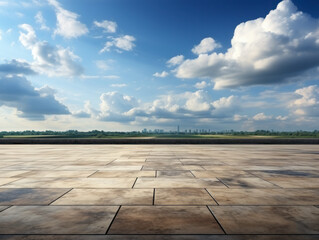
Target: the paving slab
(107, 197)
(4, 181)
(295, 182)
(3, 208)
(56, 219)
(122, 174)
(165, 220)
(173, 174)
(72, 183)
(268, 219)
(29, 196)
(55, 174)
(8, 174)
(221, 174)
(247, 183)
(265, 196)
(178, 183)
(180, 196)
(285, 173)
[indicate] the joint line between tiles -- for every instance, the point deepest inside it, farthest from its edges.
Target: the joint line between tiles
(109, 227)
(61, 196)
(216, 219)
(212, 196)
(134, 182)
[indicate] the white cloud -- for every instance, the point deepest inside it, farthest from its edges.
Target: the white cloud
(100, 77)
(177, 60)
(306, 101)
(119, 85)
(201, 85)
(68, 24)
(261, 117)
(125, 43)
(206, 45)
(114, 107)
(161, 75)
(31, 103)
(103, 65)
(41, 21)
(282, 118)
(108, 26)
(278, 48)
(49, 60)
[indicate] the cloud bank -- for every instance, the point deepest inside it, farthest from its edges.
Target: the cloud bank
(33, 104)
(278, 48)
(49, 60)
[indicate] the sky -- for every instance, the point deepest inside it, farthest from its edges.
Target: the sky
(126, 65)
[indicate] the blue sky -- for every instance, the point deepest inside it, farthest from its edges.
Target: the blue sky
(134, 64)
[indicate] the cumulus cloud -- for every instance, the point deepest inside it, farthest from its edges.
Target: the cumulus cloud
(306, 101)
(50, 60)
(205, 46)
(114, 107)
(17, 92)
(68, 25)
(41, 21)
(193, 106)
(125, 43)
(261, 117)
(108, 26)
(88, 111)
(201, 85)
(161, 75)
(16, 67)
(177, 60)
(278, 48)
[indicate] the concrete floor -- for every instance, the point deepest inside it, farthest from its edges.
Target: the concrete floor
(260, 192)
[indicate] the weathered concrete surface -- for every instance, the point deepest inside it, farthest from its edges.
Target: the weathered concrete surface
(260, 192)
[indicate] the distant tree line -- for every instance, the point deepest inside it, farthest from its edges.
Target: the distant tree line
(103, 134)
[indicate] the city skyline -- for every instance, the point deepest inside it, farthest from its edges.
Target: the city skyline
(127, 65)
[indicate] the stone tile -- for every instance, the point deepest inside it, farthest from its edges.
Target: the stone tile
(107, 197)
(165, 220)
(247, 183)
(297, 182)
(268, 219)
(179, 196)
(4, 181)
(3, 208)
(55, 174)
(285, 173)
(122, 174)
(8, 174)
(56, 219)
(221, 174)
(122, 168)
(178, 183)
(265, 196)
(72, 183)
(172, 174)
(29, 196)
